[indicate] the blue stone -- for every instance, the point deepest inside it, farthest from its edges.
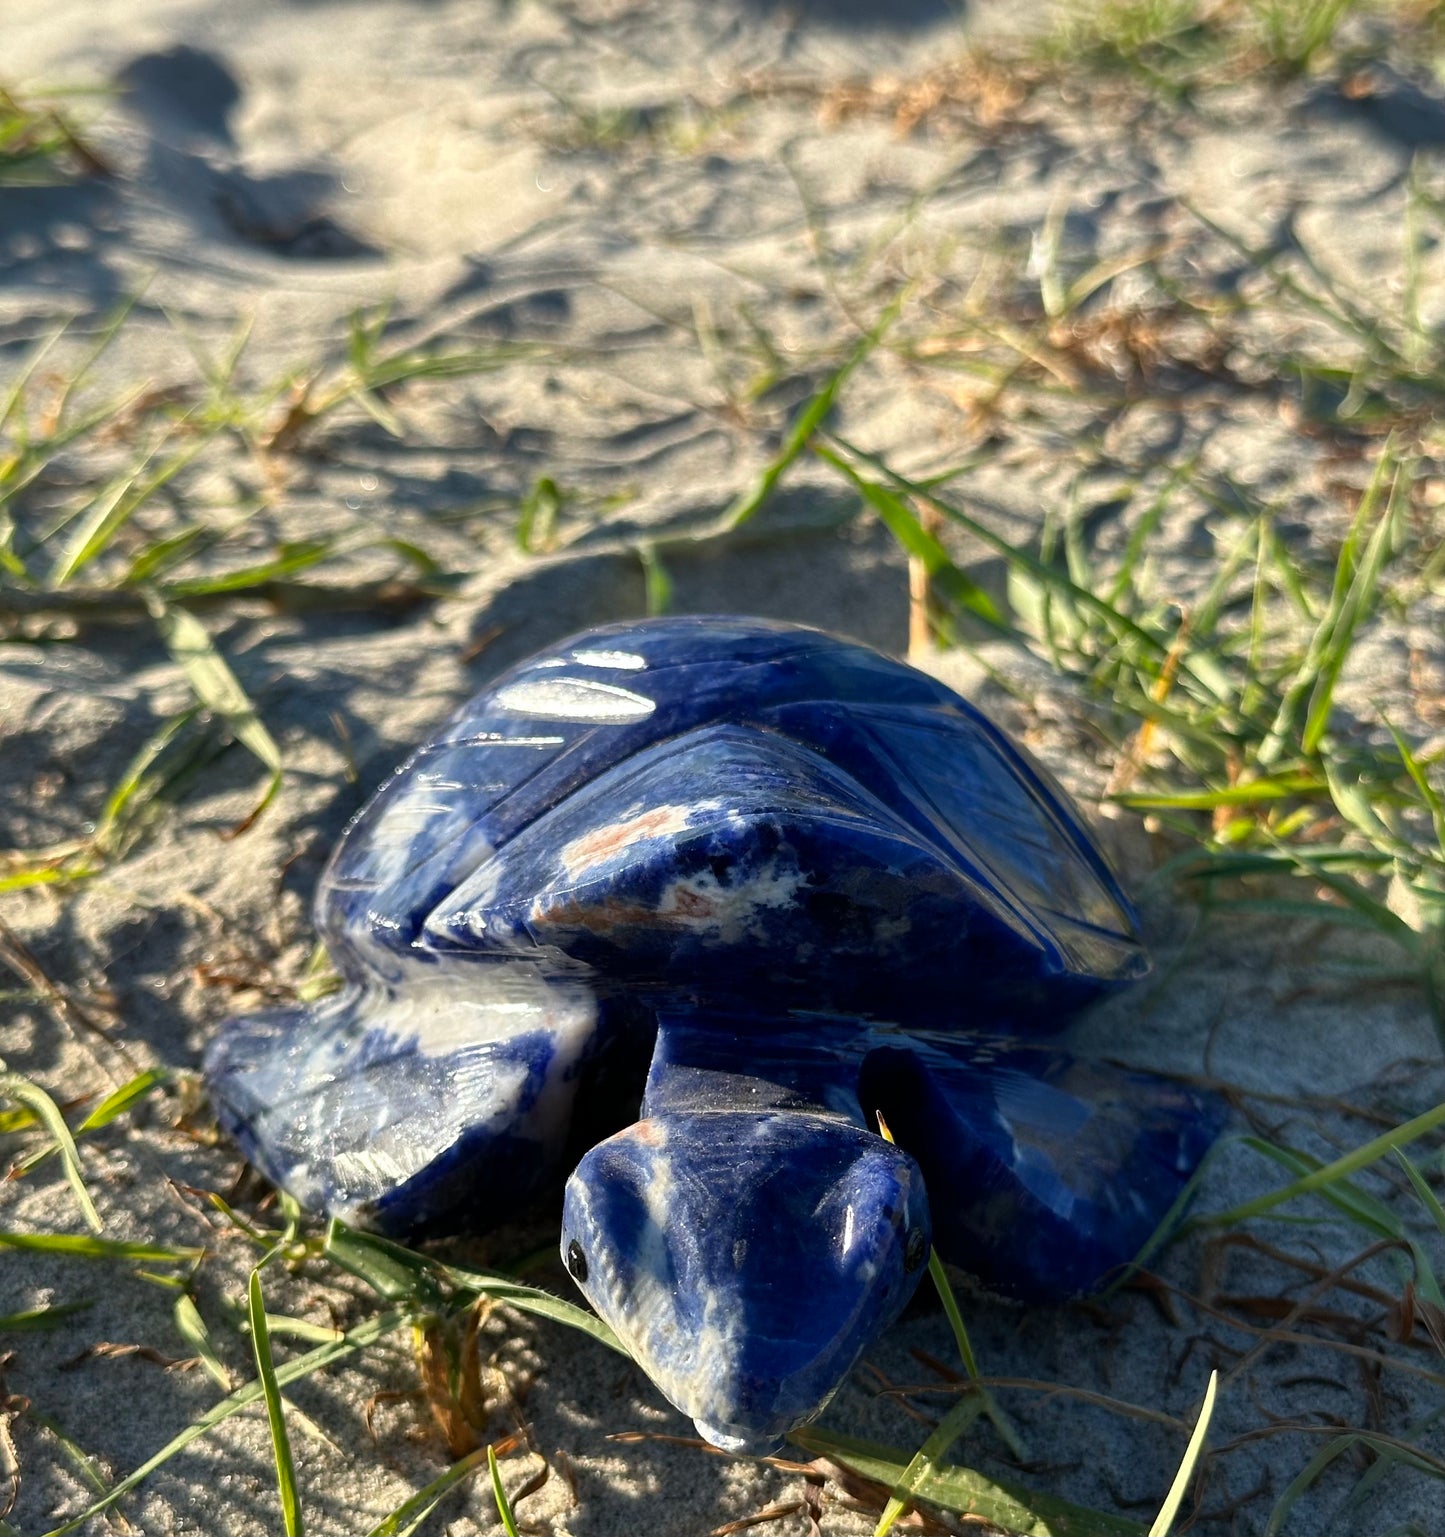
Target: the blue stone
(777, 884)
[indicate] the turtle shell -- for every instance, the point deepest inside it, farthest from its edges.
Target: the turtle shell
(728, 806)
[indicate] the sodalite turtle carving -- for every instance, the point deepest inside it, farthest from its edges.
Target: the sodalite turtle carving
(774, 883)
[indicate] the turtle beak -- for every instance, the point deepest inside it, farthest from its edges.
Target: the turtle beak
(746, 1260)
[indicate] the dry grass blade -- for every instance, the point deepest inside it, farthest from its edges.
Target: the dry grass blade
(1164, 1522)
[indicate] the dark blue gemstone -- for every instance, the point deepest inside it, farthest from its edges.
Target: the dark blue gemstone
(807, 884)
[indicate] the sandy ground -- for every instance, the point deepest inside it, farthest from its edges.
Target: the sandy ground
(456, 160)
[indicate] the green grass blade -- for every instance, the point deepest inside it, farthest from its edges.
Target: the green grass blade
(1358, 601)
(399, 1274)
(809, 420)
(657, 584)
(112, 510)
(1305, 1480)
(1432, 798)
(1164, 1521)
(992, 1408)
(118, 1102)
(1168, 1226)
(1043, 572)
(81, 1246)
(33, 1320)
(1386, 1460)
(294, 558)
(1319, 1180)
(275, 1410)
(537, 517)
(192, 1329)
(165, 554)
(1252, 793)
(215, 686)
(1345, 1196)
(40, 1104)
(928, 1460)
(952, 1313)
(531, 1299)
(80, 1460)
(1013, 1507)
(139, 785)
(1329, 643)
(409, 1515)
(504, 1505)
(915, 540)
(1428, 1199)
(393, 1271)
(939, 1277)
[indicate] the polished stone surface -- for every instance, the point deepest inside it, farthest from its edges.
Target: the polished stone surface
(810, 883)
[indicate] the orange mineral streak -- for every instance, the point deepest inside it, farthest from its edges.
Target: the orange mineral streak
(571, 910)
(606, 843)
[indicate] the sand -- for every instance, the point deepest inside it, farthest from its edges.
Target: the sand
(606, 188)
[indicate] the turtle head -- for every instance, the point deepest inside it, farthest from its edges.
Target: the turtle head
(746, 1259)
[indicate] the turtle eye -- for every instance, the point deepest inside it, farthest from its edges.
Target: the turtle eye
(576, 1262)
(913, 1253)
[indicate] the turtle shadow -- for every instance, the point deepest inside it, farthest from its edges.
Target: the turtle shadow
(848, 577)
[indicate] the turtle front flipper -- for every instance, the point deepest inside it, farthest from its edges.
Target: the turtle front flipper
(443, 1104)
(1047, 1174)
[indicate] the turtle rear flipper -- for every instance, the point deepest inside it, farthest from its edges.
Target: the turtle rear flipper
(1047, 1174)
(442, 1105)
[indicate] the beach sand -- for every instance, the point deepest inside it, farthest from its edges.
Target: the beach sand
(664, 222)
